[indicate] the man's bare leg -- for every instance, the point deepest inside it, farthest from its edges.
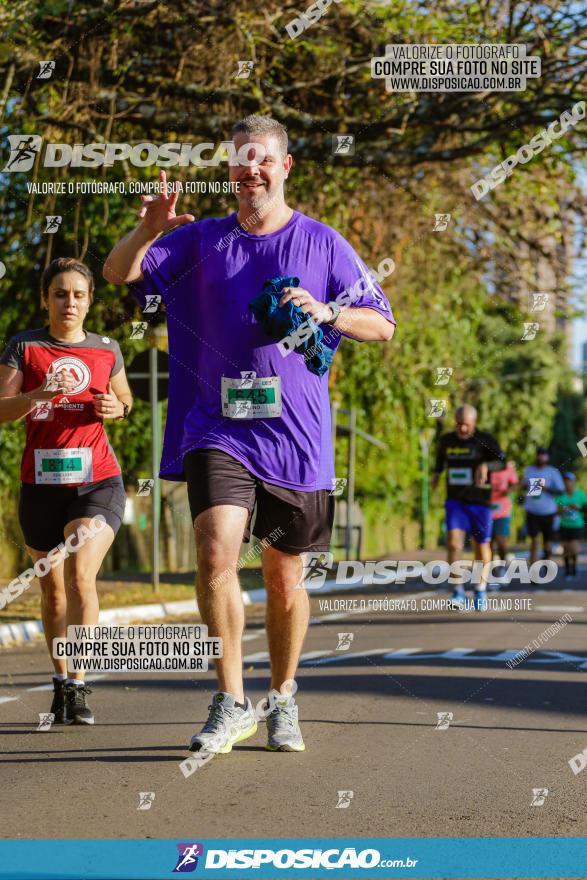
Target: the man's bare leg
(455, 542)
(219, 533)
(483, 554)
(287, 614)
(501, 542)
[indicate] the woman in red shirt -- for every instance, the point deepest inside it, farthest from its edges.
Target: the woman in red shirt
(66, 381)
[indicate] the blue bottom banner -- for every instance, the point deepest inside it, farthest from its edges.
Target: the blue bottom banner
(273, 858)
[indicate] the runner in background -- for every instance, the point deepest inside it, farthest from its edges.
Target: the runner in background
(572, 505)
(468, 455)
(501, 503)
(542, 483)
(66, 381)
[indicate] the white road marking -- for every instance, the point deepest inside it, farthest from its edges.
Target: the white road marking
(558, 608)
(92, 678)
(338, 615)
(313, 655)
(262, 656)
(256, 658)
(462, 654)
(560, 657)
(342, 656)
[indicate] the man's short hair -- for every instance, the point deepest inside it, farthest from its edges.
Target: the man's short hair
(252, 125)
(466, 410)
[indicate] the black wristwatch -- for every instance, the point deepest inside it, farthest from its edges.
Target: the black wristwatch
(336, 310)
(125, 410)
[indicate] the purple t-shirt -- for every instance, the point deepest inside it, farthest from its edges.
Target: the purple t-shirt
(207, 277)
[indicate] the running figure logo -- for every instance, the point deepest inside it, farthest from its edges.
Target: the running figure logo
(535, 486)
(441, 222)
(146, 799)
(187, 860)
(46, 720)
(530, 331)
(436, 408)
(443, 375)
(244, 69)
(23, 151)
(52, 223)
(344, 799)
(43, 411)
(138, 329)
(344, 641)
(444, 719)
(539, 795)
(145, 487)
(343, 144)
(152, 302)
(316, 566)
(338, 486)
(538, 301)
(46, 69)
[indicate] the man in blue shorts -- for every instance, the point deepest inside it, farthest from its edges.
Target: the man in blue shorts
(468, 455)
(248, 424)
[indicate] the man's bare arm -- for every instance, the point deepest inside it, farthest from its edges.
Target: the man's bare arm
(364, 324)
(123, 265)
(157, 215)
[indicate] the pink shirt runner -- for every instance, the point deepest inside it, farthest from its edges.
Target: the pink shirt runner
(501, 483)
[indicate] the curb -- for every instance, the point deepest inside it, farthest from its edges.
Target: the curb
(29, 630)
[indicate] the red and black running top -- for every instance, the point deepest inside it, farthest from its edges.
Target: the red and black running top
(67, 421)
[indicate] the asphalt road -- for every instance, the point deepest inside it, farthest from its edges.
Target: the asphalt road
(370, 721)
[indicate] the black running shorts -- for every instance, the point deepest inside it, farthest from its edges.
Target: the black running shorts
(44, 511)
(571, 533)
(304, 519)
(539, 523)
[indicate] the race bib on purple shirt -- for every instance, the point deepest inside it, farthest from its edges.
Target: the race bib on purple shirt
(207, 273)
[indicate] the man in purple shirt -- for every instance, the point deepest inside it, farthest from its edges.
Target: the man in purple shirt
(248, 424)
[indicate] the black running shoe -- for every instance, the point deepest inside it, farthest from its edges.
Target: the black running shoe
(77, 710)
(58, 704)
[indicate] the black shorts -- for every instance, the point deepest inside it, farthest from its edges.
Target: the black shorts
(44, 511)
(571, 533)
(292, 521)
(541, 523)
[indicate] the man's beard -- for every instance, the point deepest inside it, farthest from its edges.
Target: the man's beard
(259, 198)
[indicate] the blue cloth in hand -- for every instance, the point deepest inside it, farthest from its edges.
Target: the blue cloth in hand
(278, 322)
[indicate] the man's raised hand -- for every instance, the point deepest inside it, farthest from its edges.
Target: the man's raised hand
(158, 214)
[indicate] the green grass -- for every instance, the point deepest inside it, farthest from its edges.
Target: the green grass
(28, 606)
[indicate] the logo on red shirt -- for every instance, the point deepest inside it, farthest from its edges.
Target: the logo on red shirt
(77, 368)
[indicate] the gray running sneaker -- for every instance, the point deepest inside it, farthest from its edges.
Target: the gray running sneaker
(283, 730)
(227, 724)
